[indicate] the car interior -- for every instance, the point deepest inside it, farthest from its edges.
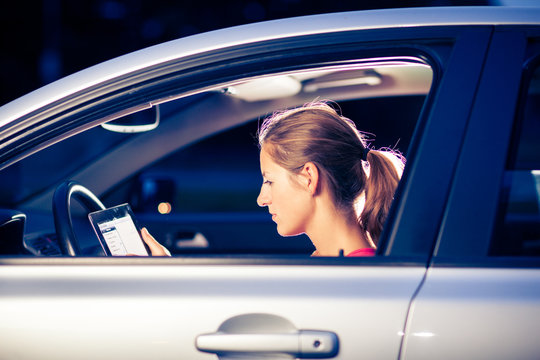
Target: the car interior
(189, 165)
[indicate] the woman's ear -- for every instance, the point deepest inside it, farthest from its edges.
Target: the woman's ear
(310, 175)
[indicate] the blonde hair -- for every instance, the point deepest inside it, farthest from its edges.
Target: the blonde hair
(316, 133)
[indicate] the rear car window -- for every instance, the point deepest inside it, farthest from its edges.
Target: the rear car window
(517, 232)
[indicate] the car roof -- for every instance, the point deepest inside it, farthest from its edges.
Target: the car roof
(256, 32)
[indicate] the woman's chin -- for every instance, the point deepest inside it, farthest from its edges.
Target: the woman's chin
(285, 232)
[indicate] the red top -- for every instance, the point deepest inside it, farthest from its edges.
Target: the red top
(363, 252)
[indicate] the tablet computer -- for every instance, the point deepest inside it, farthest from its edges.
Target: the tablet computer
(118, 232)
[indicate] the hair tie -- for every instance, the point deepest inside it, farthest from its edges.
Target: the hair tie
(365, 151)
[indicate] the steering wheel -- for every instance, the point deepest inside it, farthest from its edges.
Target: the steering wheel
(63, 222)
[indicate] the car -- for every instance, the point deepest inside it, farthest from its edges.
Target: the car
(457, 270)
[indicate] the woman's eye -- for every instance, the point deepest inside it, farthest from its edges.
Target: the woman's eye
(267, 182)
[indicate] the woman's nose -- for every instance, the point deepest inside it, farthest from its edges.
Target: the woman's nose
(262, 199)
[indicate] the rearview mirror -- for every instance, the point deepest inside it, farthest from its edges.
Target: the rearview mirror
(140, 121)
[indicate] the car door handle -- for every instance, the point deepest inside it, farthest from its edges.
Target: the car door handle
(302, 344)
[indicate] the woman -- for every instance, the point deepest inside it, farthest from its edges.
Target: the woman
(320, 178)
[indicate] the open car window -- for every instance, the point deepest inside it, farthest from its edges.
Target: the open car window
(201, 198)
(196, 192)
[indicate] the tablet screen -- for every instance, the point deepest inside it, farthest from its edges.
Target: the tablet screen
(117, 232)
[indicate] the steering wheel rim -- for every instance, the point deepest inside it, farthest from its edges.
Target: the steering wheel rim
(64, 193)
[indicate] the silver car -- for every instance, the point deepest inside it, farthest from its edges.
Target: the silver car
(456, 275)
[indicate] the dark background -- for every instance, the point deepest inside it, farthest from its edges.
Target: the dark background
(44, 40)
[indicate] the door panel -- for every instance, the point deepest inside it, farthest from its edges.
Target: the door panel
(229, 233)
(157, 311)
(475, 314)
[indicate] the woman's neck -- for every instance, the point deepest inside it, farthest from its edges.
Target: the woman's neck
(332, 231)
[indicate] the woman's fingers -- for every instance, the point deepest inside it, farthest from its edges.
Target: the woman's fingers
(155, 248)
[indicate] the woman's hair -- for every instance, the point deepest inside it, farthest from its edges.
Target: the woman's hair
(316, 133)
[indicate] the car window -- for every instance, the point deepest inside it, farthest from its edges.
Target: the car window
(202, 198)
(518, 229)
(193, 181)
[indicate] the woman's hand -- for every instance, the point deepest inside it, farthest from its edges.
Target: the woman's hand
(155, 248)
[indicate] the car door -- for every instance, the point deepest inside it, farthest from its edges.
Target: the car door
(481, 295)
(284, 306)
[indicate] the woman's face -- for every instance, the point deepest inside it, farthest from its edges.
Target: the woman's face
(287, 201)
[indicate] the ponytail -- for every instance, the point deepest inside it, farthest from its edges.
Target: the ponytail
(385, 169)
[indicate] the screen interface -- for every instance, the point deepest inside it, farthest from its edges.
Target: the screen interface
(122, 237)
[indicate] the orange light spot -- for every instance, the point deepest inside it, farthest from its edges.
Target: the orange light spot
(164, 208)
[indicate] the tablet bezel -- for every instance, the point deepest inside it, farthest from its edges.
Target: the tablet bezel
(109, 214)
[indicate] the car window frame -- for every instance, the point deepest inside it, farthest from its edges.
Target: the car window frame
(456, 245)
(423, 191)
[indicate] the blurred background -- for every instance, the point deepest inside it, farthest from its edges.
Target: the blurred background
(43, 40)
